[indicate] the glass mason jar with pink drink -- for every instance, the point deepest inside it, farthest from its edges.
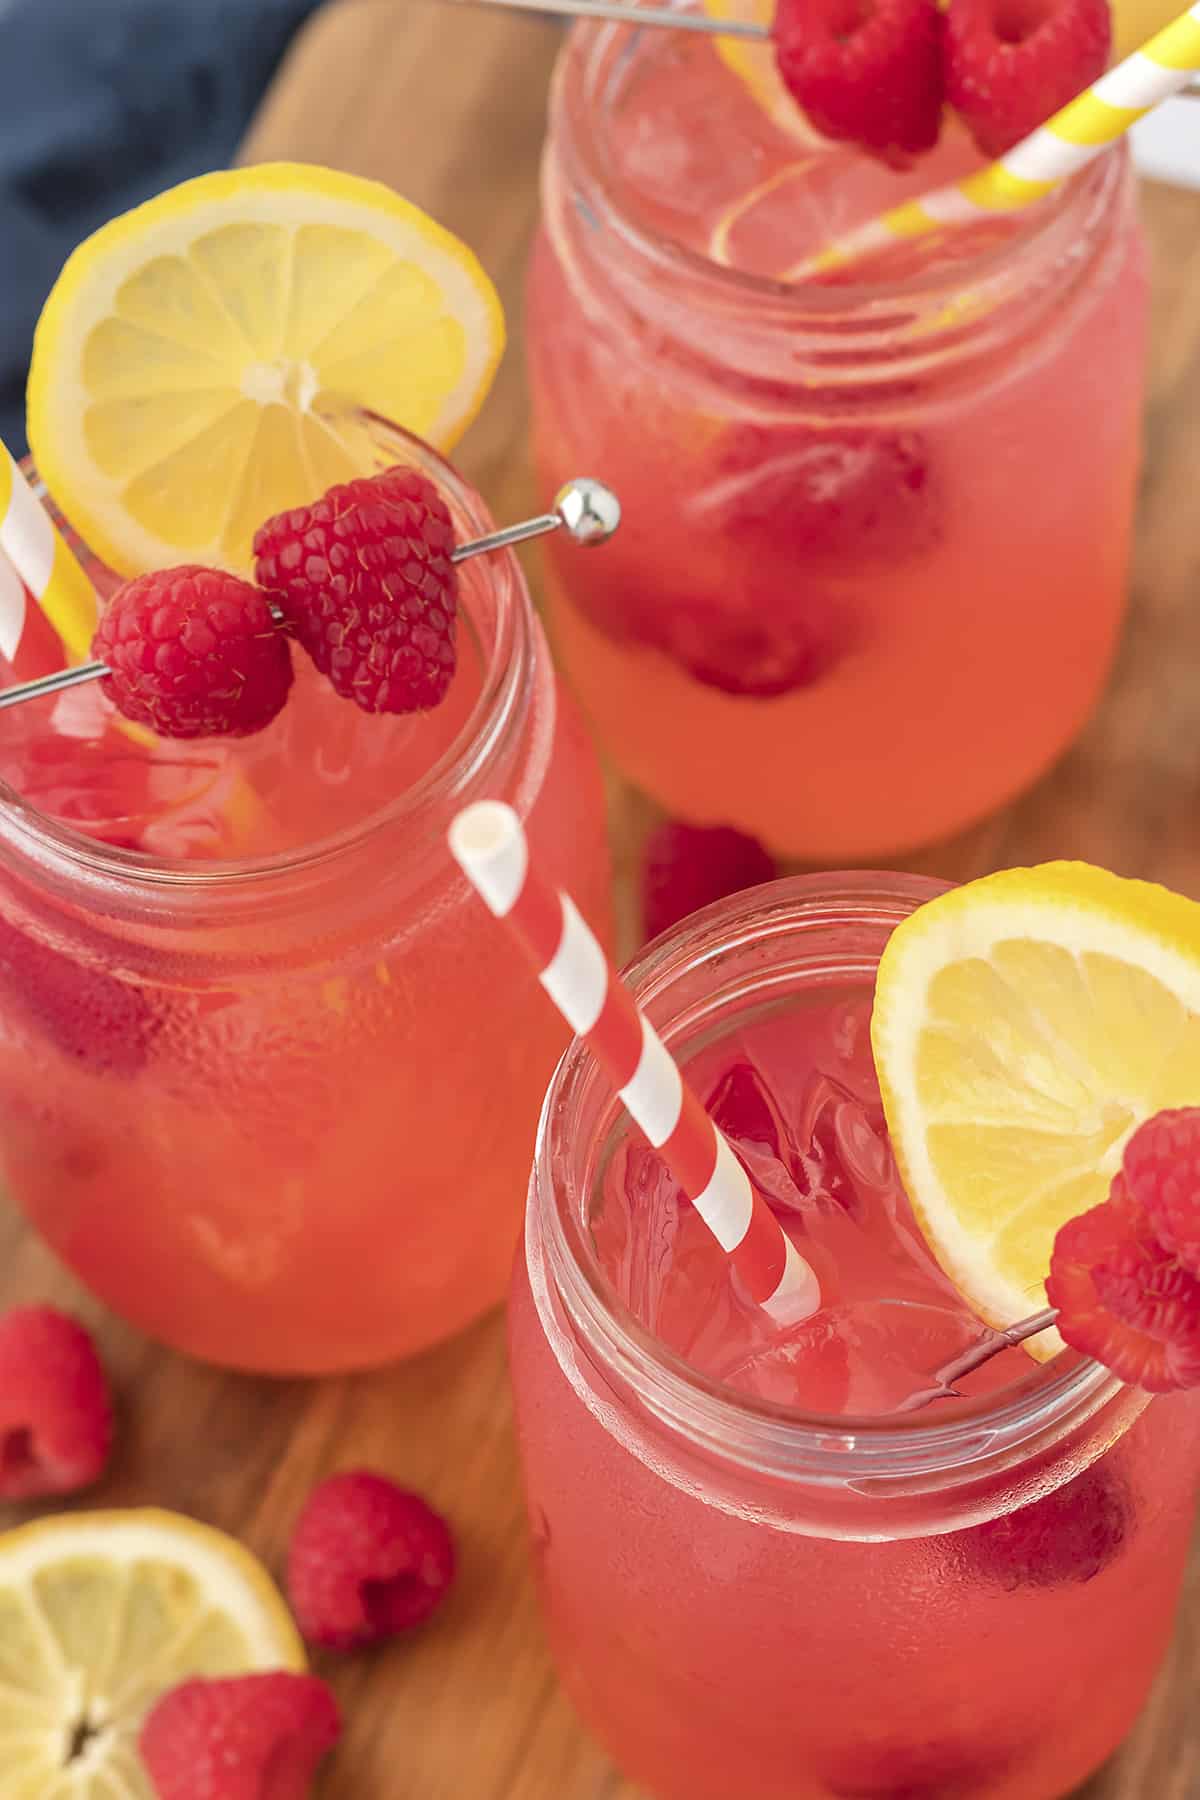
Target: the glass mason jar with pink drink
(247, 1090)
(877, 525)
(765, 1573)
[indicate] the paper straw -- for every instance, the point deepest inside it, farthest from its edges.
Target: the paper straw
(489, 844)
(41, 563)
(1057, 149)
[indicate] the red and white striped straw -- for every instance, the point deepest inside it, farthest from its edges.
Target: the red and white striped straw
(489, 844)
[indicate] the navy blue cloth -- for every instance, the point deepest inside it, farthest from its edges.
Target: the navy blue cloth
(103, 103)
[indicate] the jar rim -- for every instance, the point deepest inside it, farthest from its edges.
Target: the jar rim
(497, 710)
(760, 1434)
(581, 92)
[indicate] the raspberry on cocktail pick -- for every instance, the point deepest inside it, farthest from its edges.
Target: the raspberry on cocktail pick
(866, 72)
(1161, 1177)
(1009, 67)
(364, 579)
(1124, 1282)
(194, 652)
(1125, 1276)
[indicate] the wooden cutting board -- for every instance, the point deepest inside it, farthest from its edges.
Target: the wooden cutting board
(448, 105)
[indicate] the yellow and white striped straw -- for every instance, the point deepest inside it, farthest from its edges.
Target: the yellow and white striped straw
(1064, 144)
(39, 560)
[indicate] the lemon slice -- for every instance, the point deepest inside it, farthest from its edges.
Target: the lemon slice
(202, 361)
(100, 1613)
(754, 65)
(1024, 1025)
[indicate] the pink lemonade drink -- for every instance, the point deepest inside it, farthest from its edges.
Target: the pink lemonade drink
(247, 1090)
(761, 1575)
(874, 557)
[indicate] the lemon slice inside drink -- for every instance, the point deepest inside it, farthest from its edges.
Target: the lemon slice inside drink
(101, 1613)
(1024, 1026)
(204, 361)
(754, 65)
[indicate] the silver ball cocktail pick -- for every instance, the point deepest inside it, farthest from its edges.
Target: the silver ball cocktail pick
(587, 510)
(590, 511)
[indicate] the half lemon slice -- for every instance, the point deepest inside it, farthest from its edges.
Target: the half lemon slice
(754, 65)
(203, 361)
(1024, 1026)
(100, 1613)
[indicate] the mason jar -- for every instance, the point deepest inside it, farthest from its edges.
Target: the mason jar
(268, 1078)
(874, 558)
(745, 1598)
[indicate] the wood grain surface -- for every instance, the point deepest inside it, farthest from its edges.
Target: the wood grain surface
(448, 106)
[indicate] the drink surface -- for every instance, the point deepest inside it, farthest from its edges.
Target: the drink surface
(746, 192)
(859, 516)
(795, 1091)
(320, 768)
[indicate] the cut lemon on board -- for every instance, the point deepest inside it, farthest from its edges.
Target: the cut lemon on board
(202, 362)
(754, 64)
(101, 1613)
(1024, 1026)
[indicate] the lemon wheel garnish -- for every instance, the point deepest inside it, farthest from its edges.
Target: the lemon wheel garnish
(754, 64)
(1024, 1026)
(100, 1613)
(202, 361)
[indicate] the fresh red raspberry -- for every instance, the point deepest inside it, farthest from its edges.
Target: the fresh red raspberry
(869, 71)
(193, 652)
(248, 1737)
(1161, 1174)
(685, 867)
(366, 584)
(1125, 1300)
(1011, 64)
(56, 1418)
(367, 1562)
(847, 494)
(105, 1024)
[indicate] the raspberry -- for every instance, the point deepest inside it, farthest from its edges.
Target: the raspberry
(869, 71)
(915, 1770)
(367, 1561)
(103, 1023)
(1124, 1299)
(1010, 64)
(760, 652)
(846, 493)
(689, 866)
(744, 1107)
(1161, 1177)
(250, 1737)
(366, 584)
(193, 652)
(1070, 1535)
(56, 1421)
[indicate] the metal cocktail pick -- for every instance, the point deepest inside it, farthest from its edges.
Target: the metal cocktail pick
(664, 18)
(587, 510)
(990, 1344)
